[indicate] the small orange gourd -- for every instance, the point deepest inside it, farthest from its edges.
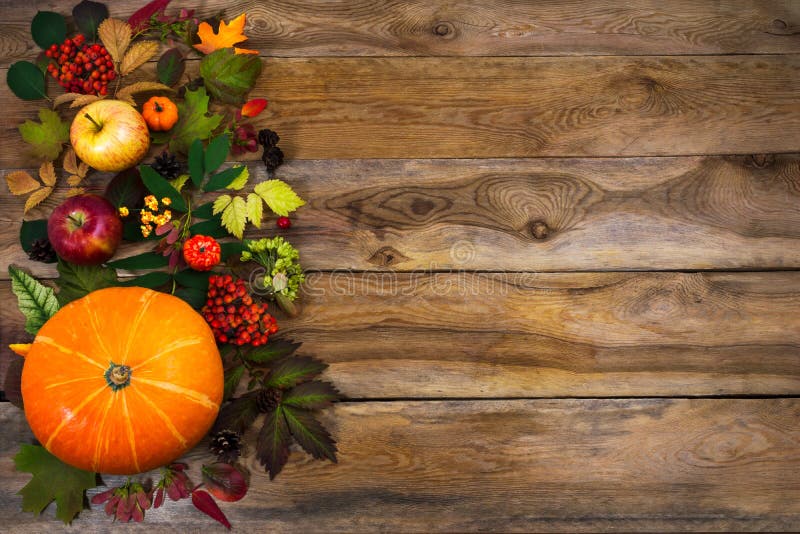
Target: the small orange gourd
(123, 380)
(160, 113)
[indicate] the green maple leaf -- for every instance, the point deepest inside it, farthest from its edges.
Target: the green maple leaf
(46, 137)
(36, 301)
(52, 480)
(279, 196)
(194, 122)
(76, 281)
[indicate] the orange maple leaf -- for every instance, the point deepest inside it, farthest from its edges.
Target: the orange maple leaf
(227, 36)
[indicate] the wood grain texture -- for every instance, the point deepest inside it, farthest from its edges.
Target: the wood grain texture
(738, 212)
(478, 28)
(514, 107)
(438, 335)
(555, 465)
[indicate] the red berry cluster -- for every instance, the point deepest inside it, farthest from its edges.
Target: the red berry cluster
(232, 314)
(81, 68)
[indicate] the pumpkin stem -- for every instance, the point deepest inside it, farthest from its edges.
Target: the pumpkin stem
(118, 376)
(158, 107)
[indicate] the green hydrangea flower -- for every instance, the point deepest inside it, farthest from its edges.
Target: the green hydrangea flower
(282, 263)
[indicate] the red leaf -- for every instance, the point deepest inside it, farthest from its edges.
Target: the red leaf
(164, 228)
(206, 504)
(224, 481)
(253, 107)
(141, 19)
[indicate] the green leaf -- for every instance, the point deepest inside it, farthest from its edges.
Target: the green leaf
(30, 231)
(211, 228)
(48, 28)
(216, 152)
(179, 182)
(192, 278)
(132, 232)
(230, 249)
(126, 189)
(311, 395)
(146, 260)
(52, 480)
(310, 434)
(194, 121)
(272, 445)
(46, 137)
(151, 280)
(291, 371)
(279, 196)
(229, 76)
(170, 67)
(273, 350)
(26, 80)
(238, 414)
(36, 301)
(196, 169)
(240, 181)
(88, 16)
(234, 217)
(232, 379)
(76, 281)
(193, 296)
(204, 211)
(160, 187)
(222, 179)
(254, 209)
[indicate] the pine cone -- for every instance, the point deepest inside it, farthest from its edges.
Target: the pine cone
(42, 250)
(268, 399)
(167, 166)
(272, 156)
(267, 138)
(226, 445)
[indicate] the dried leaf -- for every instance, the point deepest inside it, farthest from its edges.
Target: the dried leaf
(71, 165)
(64, 98)
(76, 191)
(37, 197)
(227, 36)
(21, 183)
(74, 180)
(48, 173)
(83, 100)
(116, 36)
(137, 55)
(141, 87)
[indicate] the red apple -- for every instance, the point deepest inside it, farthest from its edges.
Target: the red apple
(109, 135)
(85, 229)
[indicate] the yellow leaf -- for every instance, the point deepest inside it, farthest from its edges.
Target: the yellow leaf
(82, 100)
(141, 87)
(37, 197)
(228, 35)
(71, 165)
(72, 191)
(64, 98)
(74, 180)
(21, 183)
(116, 36)
(48, 173)
(137, 55)
(255, 209)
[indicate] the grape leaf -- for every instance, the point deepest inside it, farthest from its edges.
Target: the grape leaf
(238, 414)
(240, 181)
(193, 122)
(279, 196)
(48, 28)
(310, 433)
(229, 76)
(232, 379)
(36, 301)
(88, 16)
(76, 281)
(254, 209)
(116, 37)
(272, 445)
(170, 67)
(275, 349)
(137, 55)
(52, 480)
(228, 35)
(47, 136)
(311, 395)
(291, 371)
(26, 80)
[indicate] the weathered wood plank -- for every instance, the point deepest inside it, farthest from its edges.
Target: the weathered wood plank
(515, 107)
(555, 465)
(426, 335)
(478, 28)
(526, 215)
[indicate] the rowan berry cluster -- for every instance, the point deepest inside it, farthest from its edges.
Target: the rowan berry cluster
(80, 67)
(233, 315)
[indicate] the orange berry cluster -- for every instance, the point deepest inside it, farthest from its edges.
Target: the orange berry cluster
(81, 68)
(233, 315)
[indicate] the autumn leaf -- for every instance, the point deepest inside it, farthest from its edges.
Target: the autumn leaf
(77, 170)
(254, 209)
(253, 107)
(47, 136)
(193, 122)
(137, 55)
(36, 198)
(116, 36)
(127, 92)
(64, 98)
(21, 183)
(83, 100)
(48, 174)
(228, 35)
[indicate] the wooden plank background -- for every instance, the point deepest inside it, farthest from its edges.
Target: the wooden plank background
(520, 214)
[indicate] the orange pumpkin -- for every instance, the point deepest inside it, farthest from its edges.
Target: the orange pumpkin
(123, 380)
(160, 113)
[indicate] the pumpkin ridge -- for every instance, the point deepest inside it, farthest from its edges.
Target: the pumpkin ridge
(89, 398)
(129, 427)
(164, 417)
(66, 350)
(175, 345)
(190, 394)
(93, 322)
(100, 428)
(67, 382)
(146, 300)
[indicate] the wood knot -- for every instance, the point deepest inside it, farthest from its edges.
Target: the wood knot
(387, 256)
(422, 206)
(444, 29)
(779, 24)
(539, 229)
(762, 161)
